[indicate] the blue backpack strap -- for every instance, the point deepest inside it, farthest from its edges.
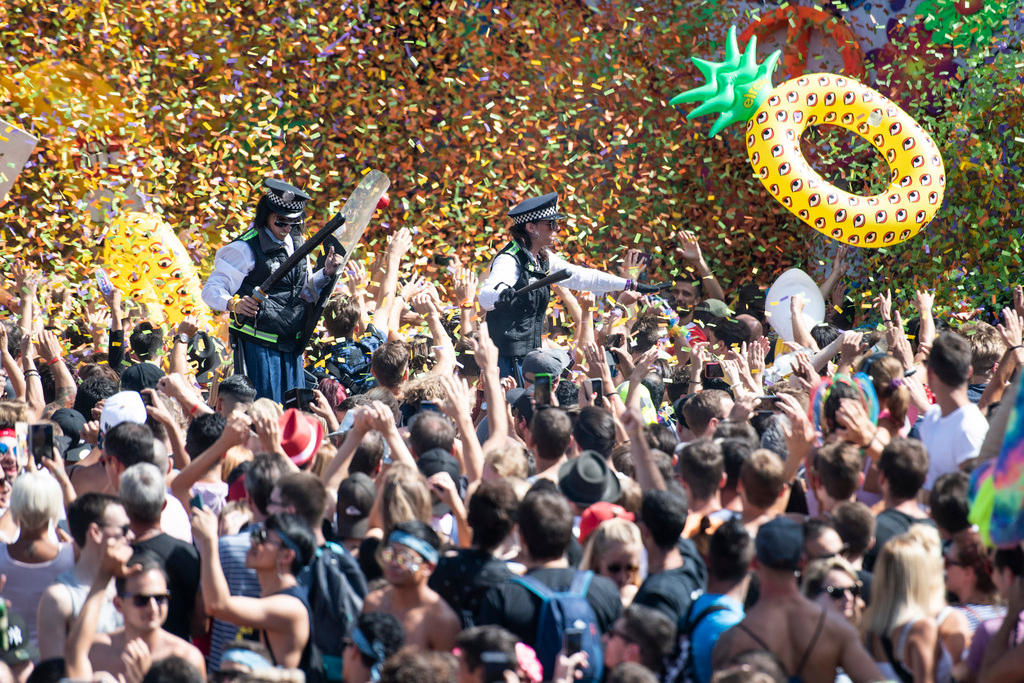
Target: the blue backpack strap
(581, 583)
(534, 586)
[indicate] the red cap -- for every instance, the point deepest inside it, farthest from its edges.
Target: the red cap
(601, 512)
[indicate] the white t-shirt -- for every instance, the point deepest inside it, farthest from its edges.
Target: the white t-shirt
(174, 521)
(951, 440)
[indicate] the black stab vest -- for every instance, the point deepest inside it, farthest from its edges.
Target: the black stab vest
(282, 316)
(516, 329)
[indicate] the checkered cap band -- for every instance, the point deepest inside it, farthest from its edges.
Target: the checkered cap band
(538, 215)
(296, 205)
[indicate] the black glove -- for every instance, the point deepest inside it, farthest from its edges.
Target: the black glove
(651, 289)
(506, 296)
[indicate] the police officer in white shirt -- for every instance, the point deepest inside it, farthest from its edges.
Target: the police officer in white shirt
(266, 336)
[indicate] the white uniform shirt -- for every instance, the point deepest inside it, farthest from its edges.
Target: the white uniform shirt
(235, 260)
(505, 272)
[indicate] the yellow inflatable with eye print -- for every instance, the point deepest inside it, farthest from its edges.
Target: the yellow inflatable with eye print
(739, 89)
(147, 262)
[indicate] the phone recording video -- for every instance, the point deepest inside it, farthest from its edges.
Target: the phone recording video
(542, 389)
(298, 398)
(40, 442)
(597, 386)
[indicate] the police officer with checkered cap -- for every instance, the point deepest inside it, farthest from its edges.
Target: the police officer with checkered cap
(516, 323)
(266, 335)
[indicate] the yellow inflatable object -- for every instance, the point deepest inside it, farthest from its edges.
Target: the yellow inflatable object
(57, 94)
(917, 175)
(740, 89)
(147, 262)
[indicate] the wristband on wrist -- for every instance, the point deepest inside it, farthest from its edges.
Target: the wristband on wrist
(31, 373)
(54, 361)
(1018, 346)
(192, 412)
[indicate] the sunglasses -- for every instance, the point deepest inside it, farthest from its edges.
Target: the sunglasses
(260, 536)
(142, 600)
(124, 528)
(617, 568)
(837, 592)
(405, 559)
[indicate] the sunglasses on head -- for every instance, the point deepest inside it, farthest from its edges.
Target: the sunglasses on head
(837, 592)
(141, 599)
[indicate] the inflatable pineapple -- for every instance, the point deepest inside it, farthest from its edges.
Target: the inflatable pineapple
(739, 89)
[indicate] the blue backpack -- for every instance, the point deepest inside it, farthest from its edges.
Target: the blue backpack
(561, 611)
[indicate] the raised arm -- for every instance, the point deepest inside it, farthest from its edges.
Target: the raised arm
(839, 268)
(426, 305)
(801, 335)
(270, 613)
(399, 245)
(486, 354)
(924, 300)
(11, 367)
(236, 432)
(64, 388)
(187, 329)
(457, 406)
(689, 249)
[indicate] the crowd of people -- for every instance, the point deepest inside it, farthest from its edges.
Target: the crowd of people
(452, 483)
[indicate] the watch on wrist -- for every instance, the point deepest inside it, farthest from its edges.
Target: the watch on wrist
(182, 338)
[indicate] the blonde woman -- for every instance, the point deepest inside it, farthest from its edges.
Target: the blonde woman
(614, 550)
(402, 496)
(833, 583)
(907, 596)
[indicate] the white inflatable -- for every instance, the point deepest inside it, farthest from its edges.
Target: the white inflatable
(794, 282)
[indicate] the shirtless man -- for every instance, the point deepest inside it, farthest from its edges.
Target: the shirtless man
(142, 599)
(810, 641)
(408, 559)
(95, 519)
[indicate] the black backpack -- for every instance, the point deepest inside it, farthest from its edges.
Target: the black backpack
(337, 588)
(681, 668)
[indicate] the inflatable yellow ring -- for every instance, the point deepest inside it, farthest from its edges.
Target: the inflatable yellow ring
(917, 180)
(740, 89)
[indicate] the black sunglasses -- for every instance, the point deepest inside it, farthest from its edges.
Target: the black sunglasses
(141, 599)
(616, 568)
(837, 592)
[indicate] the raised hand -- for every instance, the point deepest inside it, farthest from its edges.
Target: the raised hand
(689, 246)
(400, 244)
(1012, 327)
(464, 282)
(189, 326)
(49, 346)
(884, 303)
(924, 300)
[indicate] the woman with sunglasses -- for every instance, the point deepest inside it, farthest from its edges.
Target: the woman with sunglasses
(279, 618)
(614, 550)
(833, 583)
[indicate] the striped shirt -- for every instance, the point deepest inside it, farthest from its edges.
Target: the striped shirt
(241, 581)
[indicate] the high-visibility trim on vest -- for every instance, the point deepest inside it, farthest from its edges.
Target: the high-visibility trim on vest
(253, 332)
(249, 234)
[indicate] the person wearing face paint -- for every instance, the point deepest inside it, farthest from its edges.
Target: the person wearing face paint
(516, 323)
(408, 559)
(266, 335)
